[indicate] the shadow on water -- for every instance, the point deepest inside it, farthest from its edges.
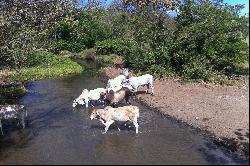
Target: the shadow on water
(57, 134)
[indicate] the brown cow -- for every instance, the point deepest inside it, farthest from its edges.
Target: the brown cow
(113, 98)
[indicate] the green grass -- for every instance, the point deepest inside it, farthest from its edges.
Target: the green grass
(37, 73)
(41, 65)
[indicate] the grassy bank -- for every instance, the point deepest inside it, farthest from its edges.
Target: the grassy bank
(37, 73)
(39, 65)
(42, 65)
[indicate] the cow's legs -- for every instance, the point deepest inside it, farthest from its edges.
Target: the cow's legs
(136, 126)
(118, 127)
(23, 120)
(1, 127)
(107, 124)
(26, 117)
(127, 99)
(147, 88)
(152, 89)
(87, 105)
(134, 90)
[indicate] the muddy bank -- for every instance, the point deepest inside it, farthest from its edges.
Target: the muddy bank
(219, 112)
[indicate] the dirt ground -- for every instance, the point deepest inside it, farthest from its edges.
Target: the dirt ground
(222, 111)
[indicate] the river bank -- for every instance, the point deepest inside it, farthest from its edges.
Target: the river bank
(41, 65)
(49, 104)
(221, 112)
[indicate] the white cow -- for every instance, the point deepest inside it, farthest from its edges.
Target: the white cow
(109, 115)
(18, 112)
(134, 82)
(88, 96)
(116, 83)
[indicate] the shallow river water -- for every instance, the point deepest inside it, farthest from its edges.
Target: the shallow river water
(57, 134)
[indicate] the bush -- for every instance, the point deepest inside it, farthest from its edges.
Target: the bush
(107, 59)
(59, 45)
(196, 69)
(44, 59)
(79, 30)
(208, 39)
(117, 46)
(129, 49)
(85, 54)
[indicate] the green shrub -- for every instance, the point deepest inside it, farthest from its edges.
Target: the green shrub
(59, 45)
(86, 53)
(117, 46)
(43, 58)
(66, 54)
(80, 30)
(208, 39)
(106, 59)
(196, 69)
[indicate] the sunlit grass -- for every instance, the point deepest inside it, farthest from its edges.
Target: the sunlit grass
(37, 73)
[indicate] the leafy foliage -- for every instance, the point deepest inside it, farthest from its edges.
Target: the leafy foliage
(25, 25)
(78, 31)
(208, 39)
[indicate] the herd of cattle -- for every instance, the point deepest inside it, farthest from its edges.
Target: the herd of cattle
(117, 90)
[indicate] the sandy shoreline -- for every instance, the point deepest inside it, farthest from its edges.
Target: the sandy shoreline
(221, 111)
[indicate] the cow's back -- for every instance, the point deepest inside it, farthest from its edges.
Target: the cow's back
(126, 113)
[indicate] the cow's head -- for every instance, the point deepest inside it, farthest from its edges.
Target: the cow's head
(94, 114)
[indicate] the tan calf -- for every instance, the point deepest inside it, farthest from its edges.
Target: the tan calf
(109, 115)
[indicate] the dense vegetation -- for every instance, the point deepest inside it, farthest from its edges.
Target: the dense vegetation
(204, 40)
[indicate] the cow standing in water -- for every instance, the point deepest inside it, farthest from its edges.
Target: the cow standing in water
(109, 115)
(18, 112)
(113, 98)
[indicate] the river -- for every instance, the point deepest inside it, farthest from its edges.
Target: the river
(57, 134)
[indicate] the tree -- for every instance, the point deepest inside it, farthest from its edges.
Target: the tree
(209, 38)
(24, 24)
(156, 4)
